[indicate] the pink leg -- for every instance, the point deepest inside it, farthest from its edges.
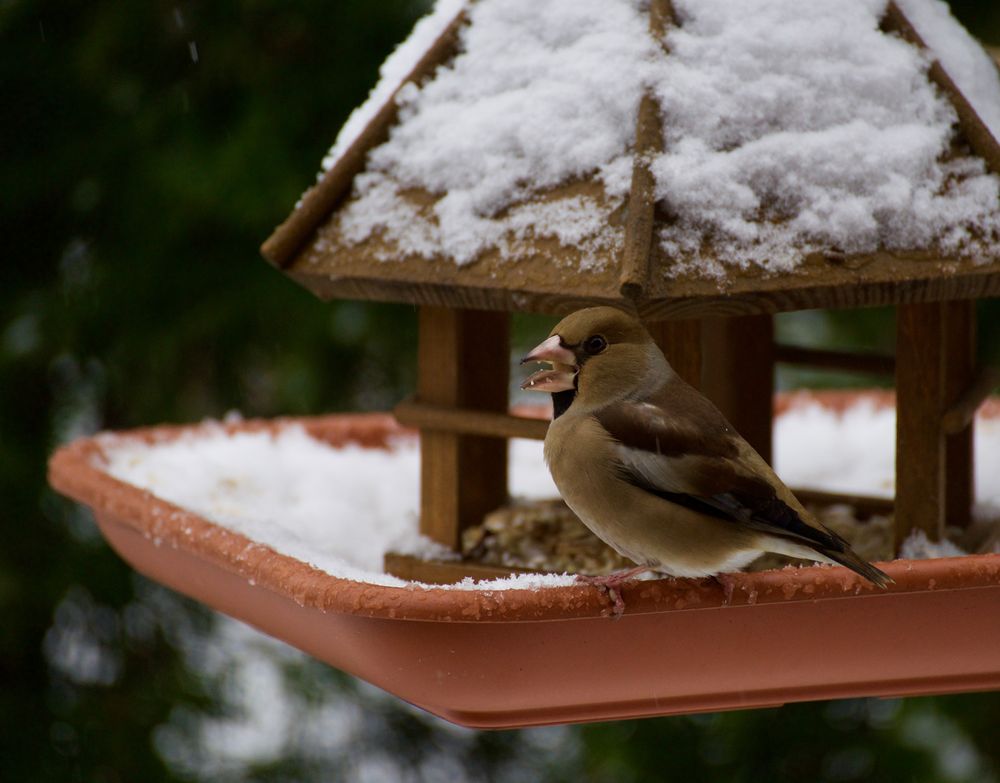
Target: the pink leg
(728, 583)
(611, 585)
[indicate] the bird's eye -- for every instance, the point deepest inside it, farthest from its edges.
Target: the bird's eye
(595, 344)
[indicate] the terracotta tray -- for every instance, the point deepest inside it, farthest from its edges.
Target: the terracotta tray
(499, 659)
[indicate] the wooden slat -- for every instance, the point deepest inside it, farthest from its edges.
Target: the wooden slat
(864, 504)
(976, 132)
(874, 364)
(441, 418)
(959, 353)
(640, 223)
(288, 239)
(738, 374)
(445, 572)
(994, 52)
(536, 284)
(463, 361)
(963, 412)
(920, 405)
(680, 342)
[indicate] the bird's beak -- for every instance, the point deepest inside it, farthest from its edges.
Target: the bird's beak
(563, 373)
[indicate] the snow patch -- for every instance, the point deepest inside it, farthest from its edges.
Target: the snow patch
(795, 126)
(918, 546)
(341, 509)
(963, 59)
(392, 73)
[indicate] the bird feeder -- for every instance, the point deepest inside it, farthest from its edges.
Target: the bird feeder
(522, 657)
(718, 334)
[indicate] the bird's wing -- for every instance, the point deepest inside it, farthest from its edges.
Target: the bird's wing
(677, 445)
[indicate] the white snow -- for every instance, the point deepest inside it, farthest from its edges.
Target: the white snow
(918, 546)
(791, 126)
(540, 94)
(392, 74)
(854, 452)
(797, 125)
(971, 68)
(340, 510)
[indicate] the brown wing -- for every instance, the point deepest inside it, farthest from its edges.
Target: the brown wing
(677, 445)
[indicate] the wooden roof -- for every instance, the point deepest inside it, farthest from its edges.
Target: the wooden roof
(547, 276)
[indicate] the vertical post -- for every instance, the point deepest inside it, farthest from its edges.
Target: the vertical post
(934, 365)
(960, 370)
(920, 452)
(738, 374)
(680, 342)
(463, 361)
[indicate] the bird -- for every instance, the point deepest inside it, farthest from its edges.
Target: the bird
(655, 470)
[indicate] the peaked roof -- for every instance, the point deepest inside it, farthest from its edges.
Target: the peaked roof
(591, 184)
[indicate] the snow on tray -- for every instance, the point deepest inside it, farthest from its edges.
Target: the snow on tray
(791, 126)
(340, 510)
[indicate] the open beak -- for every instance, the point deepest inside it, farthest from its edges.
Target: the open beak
(563, 373)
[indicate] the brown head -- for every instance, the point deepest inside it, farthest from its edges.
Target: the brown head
(598, 355)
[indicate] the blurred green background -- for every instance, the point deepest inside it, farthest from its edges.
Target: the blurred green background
(148, 149)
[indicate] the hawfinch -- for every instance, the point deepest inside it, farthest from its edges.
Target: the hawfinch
(654, 469)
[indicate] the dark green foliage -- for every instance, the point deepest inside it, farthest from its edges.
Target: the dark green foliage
(148, 148)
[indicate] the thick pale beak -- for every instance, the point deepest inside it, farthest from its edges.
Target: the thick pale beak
(563, 373)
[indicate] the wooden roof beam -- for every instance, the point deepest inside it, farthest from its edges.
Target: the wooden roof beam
(976, 132)
(640, 224)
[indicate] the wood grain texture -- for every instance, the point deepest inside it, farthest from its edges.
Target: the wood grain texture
(826, 359)
(640, 225)
(441, 418)
(550, 283)
(959, 324)
(920, 405)
(738, 374)
(963, 412)
(680, 342)
(863, 505)
(462, 362)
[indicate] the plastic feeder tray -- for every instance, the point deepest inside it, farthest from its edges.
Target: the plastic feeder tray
(501, 659)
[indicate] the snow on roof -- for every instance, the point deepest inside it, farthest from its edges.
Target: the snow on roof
(791, 126)
(340, 510)
(393, 72)
(973, 70)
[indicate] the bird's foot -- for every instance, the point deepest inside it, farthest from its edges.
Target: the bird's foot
(610, 585)
(728, 584)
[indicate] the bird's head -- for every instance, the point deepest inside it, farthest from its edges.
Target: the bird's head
(597, 355)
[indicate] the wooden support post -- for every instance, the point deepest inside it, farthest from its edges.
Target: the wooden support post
(463, 361)
(738, 374)
(680, 342)
(934, 366)
(960, 373)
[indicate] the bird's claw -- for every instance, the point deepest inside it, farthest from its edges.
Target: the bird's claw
(610, 585)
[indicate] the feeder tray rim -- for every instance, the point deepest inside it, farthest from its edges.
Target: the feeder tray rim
(76, 471)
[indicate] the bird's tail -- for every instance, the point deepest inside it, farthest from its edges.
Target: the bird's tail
(858, 565)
